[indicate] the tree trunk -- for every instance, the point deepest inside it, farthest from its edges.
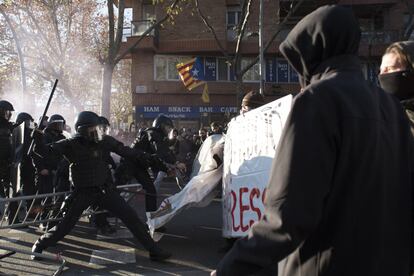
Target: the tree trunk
(108, 70)
(26, 99)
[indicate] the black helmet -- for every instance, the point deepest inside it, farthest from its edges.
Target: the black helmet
(6, 109)
(86, 119)
(56, 117)
(56, 122)
(22, 117)
(163, 123)
(5, 105)
(162, 120)
(87, 125)
(103, 121)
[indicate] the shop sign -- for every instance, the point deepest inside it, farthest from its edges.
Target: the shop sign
(181, 112)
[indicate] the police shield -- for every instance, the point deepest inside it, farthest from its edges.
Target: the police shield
(18, 152)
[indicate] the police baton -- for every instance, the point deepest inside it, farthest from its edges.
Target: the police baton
(44, 114)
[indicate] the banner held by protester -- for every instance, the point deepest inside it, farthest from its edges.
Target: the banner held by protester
(247, 163)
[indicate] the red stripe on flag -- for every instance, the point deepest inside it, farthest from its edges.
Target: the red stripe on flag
(189, 84)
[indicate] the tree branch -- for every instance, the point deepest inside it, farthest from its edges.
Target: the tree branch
(275, 34)
(211, 29)
(165, 18)
(246, 12)
(120, 28)
(111, 26)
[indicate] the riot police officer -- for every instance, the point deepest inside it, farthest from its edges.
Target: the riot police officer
(27, 170)
(52, 172)
(91, 179)
(55, 127)
(101, 219)
(7, 156)
(152, 140)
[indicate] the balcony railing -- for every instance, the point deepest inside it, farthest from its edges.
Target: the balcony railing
(380, 37)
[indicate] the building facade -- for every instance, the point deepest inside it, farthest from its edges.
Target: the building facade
(156, 87)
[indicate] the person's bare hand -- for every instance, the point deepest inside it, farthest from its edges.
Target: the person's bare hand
(213, 273)
(44, 172)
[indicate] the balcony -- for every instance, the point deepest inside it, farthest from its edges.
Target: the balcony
(379, 37)
(136, 29)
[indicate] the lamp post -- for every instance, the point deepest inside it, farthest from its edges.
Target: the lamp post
(261, 57)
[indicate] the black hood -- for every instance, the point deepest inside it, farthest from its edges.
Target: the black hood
(326, 32)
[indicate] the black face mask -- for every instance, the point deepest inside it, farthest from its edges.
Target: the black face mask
(400, 84)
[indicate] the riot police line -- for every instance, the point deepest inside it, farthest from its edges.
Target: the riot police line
(45, 170)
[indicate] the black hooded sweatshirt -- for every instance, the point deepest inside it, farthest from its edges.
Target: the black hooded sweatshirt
(340, 197)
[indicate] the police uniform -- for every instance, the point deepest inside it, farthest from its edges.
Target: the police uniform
(153, 141)
(6, 163)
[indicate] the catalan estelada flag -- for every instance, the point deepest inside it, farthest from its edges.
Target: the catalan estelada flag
(191, 73)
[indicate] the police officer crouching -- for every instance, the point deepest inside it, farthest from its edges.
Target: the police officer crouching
(86, 152)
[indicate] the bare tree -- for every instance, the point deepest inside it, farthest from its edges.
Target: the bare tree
(50, 40)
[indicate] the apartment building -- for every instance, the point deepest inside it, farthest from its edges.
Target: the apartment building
(155, 84)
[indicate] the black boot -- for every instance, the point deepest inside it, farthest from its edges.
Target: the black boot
(36, 248)
(157, 254)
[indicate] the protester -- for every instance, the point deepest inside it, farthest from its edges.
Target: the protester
(86, 152)
(215, 128)
(339, 198)
(397, 75)
(251, 101)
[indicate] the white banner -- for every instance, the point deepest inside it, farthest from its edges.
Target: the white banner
(200, 191)
(249, 150)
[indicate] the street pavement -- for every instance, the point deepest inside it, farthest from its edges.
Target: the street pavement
(194, 238)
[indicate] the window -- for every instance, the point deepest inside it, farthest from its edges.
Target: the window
(165, 67)
(148, 12)
(160, 68)
(127, 24)
(233, 19)
(252, 74)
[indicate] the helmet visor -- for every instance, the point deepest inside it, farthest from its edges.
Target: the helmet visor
(105, 129)
(91, 133)
(95, 133)
(58, 125)
(6, 114)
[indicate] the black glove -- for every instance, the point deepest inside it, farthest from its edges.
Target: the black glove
(158, 163)
(37, 135)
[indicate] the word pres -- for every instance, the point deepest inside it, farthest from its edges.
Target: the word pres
(247, 207)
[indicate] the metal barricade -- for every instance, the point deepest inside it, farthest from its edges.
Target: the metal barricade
(45, 208)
